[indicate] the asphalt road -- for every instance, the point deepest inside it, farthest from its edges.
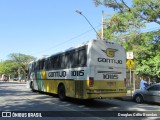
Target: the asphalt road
(17, 98)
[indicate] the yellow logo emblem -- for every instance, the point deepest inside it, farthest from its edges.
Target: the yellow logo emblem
(110, 52)
(43, 74)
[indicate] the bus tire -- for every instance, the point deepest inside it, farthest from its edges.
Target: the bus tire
(61, 92)
(32, 86)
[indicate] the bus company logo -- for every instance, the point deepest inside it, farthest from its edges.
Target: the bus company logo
(43, 74)
(110, 52)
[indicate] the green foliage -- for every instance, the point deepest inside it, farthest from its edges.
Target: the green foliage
(8, 67)
(21, 60)
(146, 48)
(146, 10)
(147, 55)
(16, 65)
(124, 27)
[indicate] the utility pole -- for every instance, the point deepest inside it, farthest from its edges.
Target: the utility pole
(102, 28)
(19, 69)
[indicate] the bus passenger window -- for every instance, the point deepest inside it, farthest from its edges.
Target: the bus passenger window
(82, 57)
(67, 60)
(51, 62)
(74, 59)
(41, 64)
(56, 62)
(62, 61)
(48, 64)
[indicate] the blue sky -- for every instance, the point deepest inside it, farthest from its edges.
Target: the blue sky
(44, 27)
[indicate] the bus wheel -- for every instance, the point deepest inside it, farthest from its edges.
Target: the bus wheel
(32, 87)
(61, 92)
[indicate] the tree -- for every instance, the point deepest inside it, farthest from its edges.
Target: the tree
(144, 10)
(124, 27)
(8, 67)
(147, 55)
(129, 17)
(21, 60)
(122, 24)
(17, 64)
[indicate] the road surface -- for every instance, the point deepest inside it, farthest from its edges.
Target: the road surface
(16, 98)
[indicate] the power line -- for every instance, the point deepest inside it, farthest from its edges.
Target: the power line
(55, 46)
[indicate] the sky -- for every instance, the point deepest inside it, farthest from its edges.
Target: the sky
(44, 27)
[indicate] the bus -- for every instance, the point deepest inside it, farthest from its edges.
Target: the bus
(96, 69)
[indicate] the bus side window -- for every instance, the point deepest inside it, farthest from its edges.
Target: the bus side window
(32, 67)
(41, 64)
(47, 64)
(82, 57)
(43, 67)
(74, 59)
(51, 63)
(56, 62)
(67, 60)
(46, 67)
(35, 66)
(62, 61)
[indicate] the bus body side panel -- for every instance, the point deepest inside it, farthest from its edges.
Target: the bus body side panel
(73, 79)
(51, 86)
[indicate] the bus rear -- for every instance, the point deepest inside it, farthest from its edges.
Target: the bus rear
(107, 63)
